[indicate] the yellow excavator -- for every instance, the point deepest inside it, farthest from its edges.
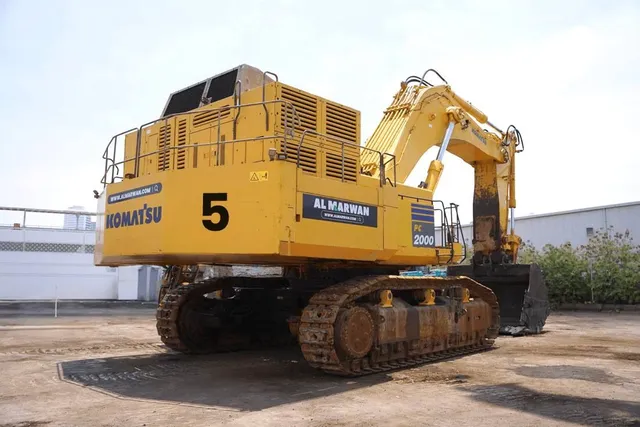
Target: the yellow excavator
(241, 169)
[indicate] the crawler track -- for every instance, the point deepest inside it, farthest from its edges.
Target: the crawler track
(168, 312)
(318, 326)
(190, 323)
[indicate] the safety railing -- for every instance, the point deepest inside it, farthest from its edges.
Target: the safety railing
(358, 148)
(112, 167)
(110, 162)
(446, 224)
(439, 206)
(455, 234)
(186, 146)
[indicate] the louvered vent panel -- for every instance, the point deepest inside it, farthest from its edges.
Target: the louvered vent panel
(308, 154)
(164, 142)
(336, 168)
(212, 116)
(305, 118)
(182, 141)
(306, 108)
(342, 123)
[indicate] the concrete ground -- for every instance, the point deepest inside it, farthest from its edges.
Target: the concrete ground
(102, 369)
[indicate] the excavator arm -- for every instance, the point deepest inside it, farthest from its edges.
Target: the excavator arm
(422, 116)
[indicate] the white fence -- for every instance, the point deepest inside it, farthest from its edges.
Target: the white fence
(46, 254)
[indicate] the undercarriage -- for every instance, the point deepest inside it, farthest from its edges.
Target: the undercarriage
(346, 321)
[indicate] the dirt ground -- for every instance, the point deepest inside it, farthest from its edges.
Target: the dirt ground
(110, 370)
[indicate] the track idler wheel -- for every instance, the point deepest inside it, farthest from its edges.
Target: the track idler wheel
(354, 332)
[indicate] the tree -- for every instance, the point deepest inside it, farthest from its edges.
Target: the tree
(564, 270)
(614, 267)
(605, 270)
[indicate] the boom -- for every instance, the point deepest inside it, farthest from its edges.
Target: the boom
(422, 116)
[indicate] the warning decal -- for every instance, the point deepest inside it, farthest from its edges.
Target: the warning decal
(258, 176)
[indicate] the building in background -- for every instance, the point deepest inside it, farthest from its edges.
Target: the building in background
(45, 262)
(574, 226)
(73, 221)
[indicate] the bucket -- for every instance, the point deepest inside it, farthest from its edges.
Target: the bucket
(521, 292)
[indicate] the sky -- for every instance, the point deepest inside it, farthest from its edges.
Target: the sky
(74, 73)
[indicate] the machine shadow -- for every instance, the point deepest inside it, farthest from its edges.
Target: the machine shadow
(572, 409)
(244, 381)
(583, 373)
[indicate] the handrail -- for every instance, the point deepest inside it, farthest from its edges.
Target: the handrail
(359, 147)
(445, 227)
(264, 87)
(106, 157)
(220, 109)
(115, 170)
(393, 157)
(449, 232)
(267, 137)
(237, 94)
(204, 144)
(461, 231)
(114, 141)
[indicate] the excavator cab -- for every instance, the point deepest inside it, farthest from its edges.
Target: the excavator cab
(521, 292)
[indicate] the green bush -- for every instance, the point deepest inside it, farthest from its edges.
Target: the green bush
(605, 270)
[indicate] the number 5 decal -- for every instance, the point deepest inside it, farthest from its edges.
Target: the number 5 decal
(209, 208)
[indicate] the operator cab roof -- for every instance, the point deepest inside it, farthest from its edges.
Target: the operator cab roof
(215, 88)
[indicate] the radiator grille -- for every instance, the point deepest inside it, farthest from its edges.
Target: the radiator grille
(164, 142)
(342, 123)
(308, 155)
(182, 141)
(306, 108)
(334, 164)
(212, 116)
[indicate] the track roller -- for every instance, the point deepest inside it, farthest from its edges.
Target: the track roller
(425, 296)
(377, 323)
